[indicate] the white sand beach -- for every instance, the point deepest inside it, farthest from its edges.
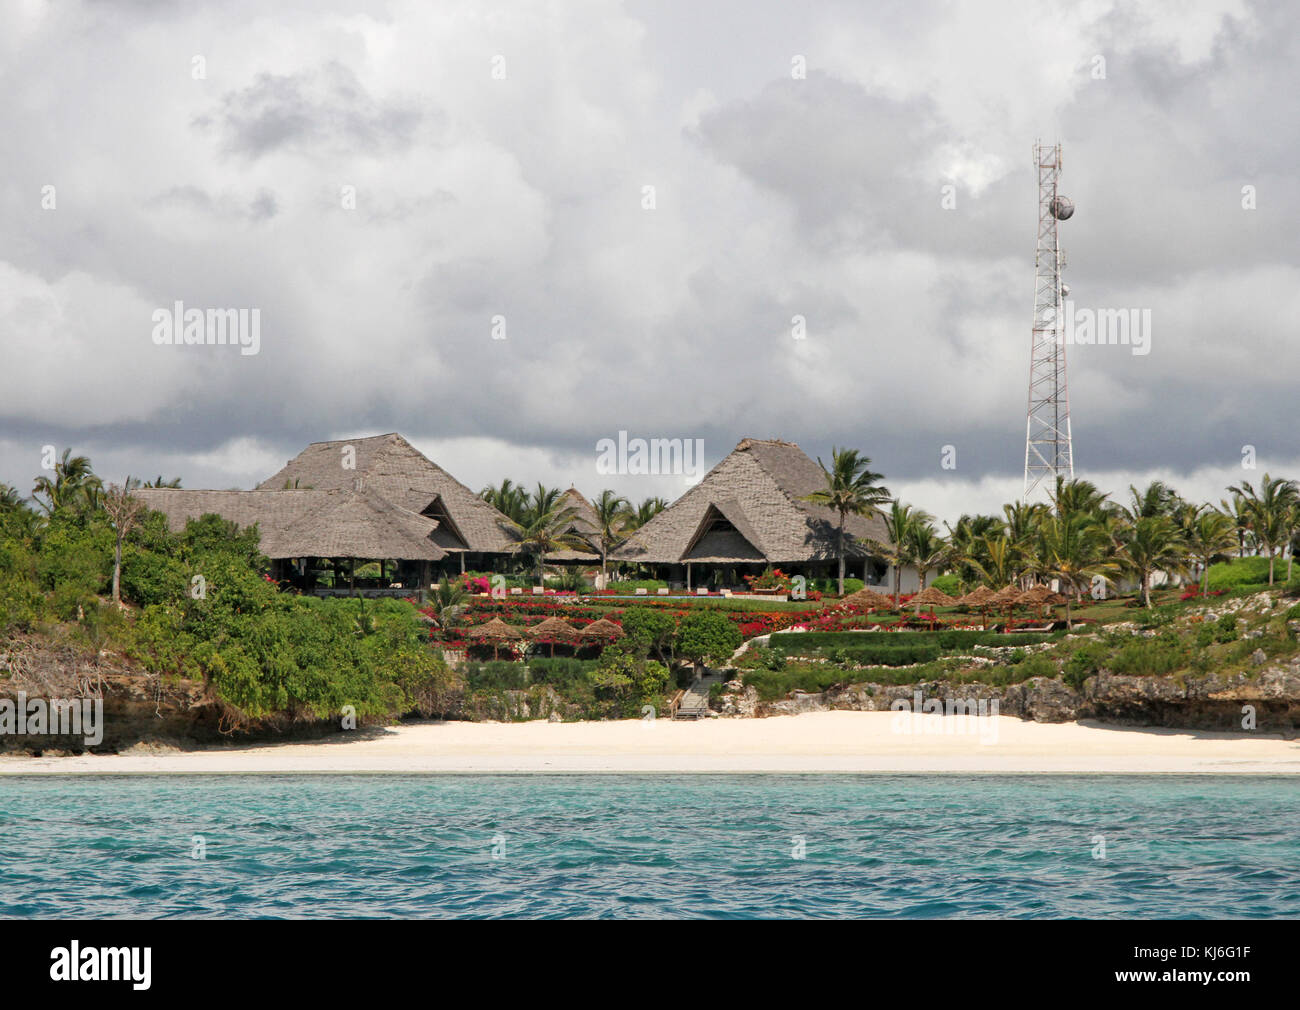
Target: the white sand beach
(814, 742)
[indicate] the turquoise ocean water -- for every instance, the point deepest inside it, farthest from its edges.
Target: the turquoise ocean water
(650, 846)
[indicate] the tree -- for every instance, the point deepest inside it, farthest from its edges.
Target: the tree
(1001, 562)
(707, 636)
(1236, 511)
(649, 629)
(1070, 549)
(851, 487)
(538, 534)
(899, 521)
(929, 551)
(73, 483)
(1152, 545)
(647, 510)
(1158, 499)
(124, 512)
(446, 601)
(1077, 498)
(508, 499)
(968, 542)
(1270, 512)
(612, 516)
(1210, 535)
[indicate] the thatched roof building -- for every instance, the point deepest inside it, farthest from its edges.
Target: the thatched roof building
(309, 523)
(749, 510)
(390, 465)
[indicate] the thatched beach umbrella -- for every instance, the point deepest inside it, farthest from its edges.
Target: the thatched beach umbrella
(931, 597)
(978, 598)
(553, 629)
(1041, 596)
(496, 631)
(869, 599)
(1007, 596)
(601, 631)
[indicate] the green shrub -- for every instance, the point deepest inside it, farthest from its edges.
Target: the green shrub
(1148, 657)
(950, 584)
(649, 629)
(1240, 573)
(1225, 628)
(1084, 662)
(150, 577)
(706, 636)
(494, 675)
(650, 585)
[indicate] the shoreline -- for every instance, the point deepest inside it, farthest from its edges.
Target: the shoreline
(837, 742)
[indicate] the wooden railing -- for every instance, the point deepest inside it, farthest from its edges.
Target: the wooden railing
(674, 703)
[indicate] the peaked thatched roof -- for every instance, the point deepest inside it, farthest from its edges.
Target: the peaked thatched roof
(585, 524)
(869, 599)
(495, 629)
(749, 508)
(977, 597)
(554, 628)
(1005, 597)
(602, 628)
(931, 597)
(309, 523)
(391, 466)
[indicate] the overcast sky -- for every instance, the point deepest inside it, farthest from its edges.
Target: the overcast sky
(499, 156)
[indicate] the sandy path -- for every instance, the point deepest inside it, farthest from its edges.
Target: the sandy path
(815, 742)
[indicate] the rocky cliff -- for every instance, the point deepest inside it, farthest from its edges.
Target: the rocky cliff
(1209, 702)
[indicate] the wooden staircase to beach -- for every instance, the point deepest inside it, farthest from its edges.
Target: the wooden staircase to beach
(693, 703)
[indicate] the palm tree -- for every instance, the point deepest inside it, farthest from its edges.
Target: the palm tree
(1021, 520)
(851, 487)
(1158, 499)
(1152, 545)
(1077, 497)
(899, 521)
(542, 500)
(646, 511)
(538, 534)
(447, 601)
(612, 517)
(1236, 511)
(10, 499)
(967, 540)
(929, 551)
(1209, 535)
(1001, 562)
(509, 499)
(1071, 549)
(1270, 512)
(74, 482)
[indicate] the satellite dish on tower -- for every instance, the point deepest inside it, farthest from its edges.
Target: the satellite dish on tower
(1062, 208)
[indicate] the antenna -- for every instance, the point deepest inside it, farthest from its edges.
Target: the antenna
(1048, 450)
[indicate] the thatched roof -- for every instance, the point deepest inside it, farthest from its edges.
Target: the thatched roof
(980, 596)
(495, 629)
(554, 628)
(931, 597)
(749, 509)
(585, 524)
(1036, 594)
(602, 629)
(869, 599)
(1005, 597)
(309, 523)
(391, 466)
